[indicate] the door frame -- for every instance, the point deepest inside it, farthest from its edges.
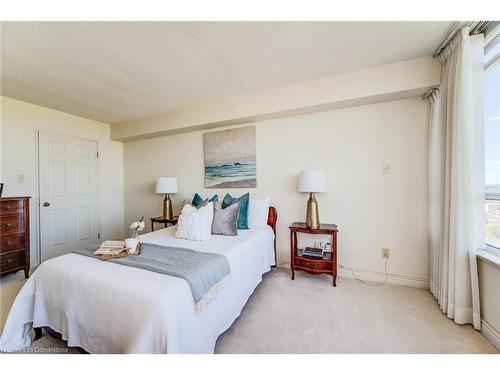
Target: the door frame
(38, 215)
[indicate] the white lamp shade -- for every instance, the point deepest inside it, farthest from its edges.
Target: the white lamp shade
(166, 185)
(312, 182)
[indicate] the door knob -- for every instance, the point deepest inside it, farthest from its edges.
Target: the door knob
(46, 204)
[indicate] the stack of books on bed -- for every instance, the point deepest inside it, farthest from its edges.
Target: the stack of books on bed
(111, 248)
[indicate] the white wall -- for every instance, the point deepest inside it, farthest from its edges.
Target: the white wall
(489, 280)
(20, 122)
(372, 209)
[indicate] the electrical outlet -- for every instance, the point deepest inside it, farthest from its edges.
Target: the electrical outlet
(385, 252)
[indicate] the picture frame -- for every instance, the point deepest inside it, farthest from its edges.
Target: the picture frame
(230, 158)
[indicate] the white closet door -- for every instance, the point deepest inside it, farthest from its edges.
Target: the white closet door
(69, 210)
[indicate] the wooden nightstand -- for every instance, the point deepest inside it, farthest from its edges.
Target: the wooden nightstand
(161, 219)
(311, 265)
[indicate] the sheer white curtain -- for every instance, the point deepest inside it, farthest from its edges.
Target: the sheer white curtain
(456, 180)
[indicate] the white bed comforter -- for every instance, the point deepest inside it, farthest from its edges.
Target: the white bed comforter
(109, 308)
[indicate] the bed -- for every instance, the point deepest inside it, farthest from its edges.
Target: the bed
(103, 307)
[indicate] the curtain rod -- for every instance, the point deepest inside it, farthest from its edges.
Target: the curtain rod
(430, 92)
(476, 27)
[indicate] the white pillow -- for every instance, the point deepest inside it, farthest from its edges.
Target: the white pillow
(195, 223)
(258, 210)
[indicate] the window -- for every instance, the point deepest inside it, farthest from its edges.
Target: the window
(492, 142)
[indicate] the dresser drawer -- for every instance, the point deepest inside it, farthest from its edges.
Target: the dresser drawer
(12, 242)
(11, 260)
(11, 207)
(316, 265)
(11, 224)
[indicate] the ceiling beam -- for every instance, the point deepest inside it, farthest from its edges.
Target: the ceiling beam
(401, 80)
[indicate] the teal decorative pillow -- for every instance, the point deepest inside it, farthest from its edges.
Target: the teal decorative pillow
(197, 199)
(243, 212)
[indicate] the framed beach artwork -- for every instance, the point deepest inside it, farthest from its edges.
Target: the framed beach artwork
(230, 158)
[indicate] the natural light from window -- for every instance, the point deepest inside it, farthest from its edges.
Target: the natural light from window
(492, 145)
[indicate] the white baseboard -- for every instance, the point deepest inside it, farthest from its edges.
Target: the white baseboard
(490, 334)
(392, 279)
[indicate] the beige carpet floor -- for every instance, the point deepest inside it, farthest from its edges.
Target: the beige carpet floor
(308, 315)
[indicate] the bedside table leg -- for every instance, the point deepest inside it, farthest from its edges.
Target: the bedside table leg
(334, 280)
(293, 240)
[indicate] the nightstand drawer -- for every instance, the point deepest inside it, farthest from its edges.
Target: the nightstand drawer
(318, 265)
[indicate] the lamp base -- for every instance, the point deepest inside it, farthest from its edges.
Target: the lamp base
(312, 214)
(167, 208)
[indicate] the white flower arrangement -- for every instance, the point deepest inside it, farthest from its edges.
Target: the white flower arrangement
(138, 225)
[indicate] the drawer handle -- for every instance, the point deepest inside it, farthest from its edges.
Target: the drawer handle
(5, 208)
(8, 243)
(10, 260)
(6, 225)
(311, 265)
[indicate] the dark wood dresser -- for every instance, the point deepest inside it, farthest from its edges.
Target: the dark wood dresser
(14, 235)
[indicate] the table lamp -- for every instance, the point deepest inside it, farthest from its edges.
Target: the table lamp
(167, 185)
(312, 182)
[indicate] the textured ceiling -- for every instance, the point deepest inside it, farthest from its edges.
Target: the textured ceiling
(118, 71)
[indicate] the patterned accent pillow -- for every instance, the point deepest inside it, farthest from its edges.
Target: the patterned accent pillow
(197, 199)
(225, 219)
(243, 212)
(195, 224)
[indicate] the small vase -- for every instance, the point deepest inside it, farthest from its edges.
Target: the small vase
(132, 245)
(132, 242)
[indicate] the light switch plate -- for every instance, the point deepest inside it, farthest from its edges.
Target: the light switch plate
(20, 178)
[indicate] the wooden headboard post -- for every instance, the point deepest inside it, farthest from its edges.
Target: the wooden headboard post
(272, 218)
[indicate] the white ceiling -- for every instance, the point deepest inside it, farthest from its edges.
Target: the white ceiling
(118, 71)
